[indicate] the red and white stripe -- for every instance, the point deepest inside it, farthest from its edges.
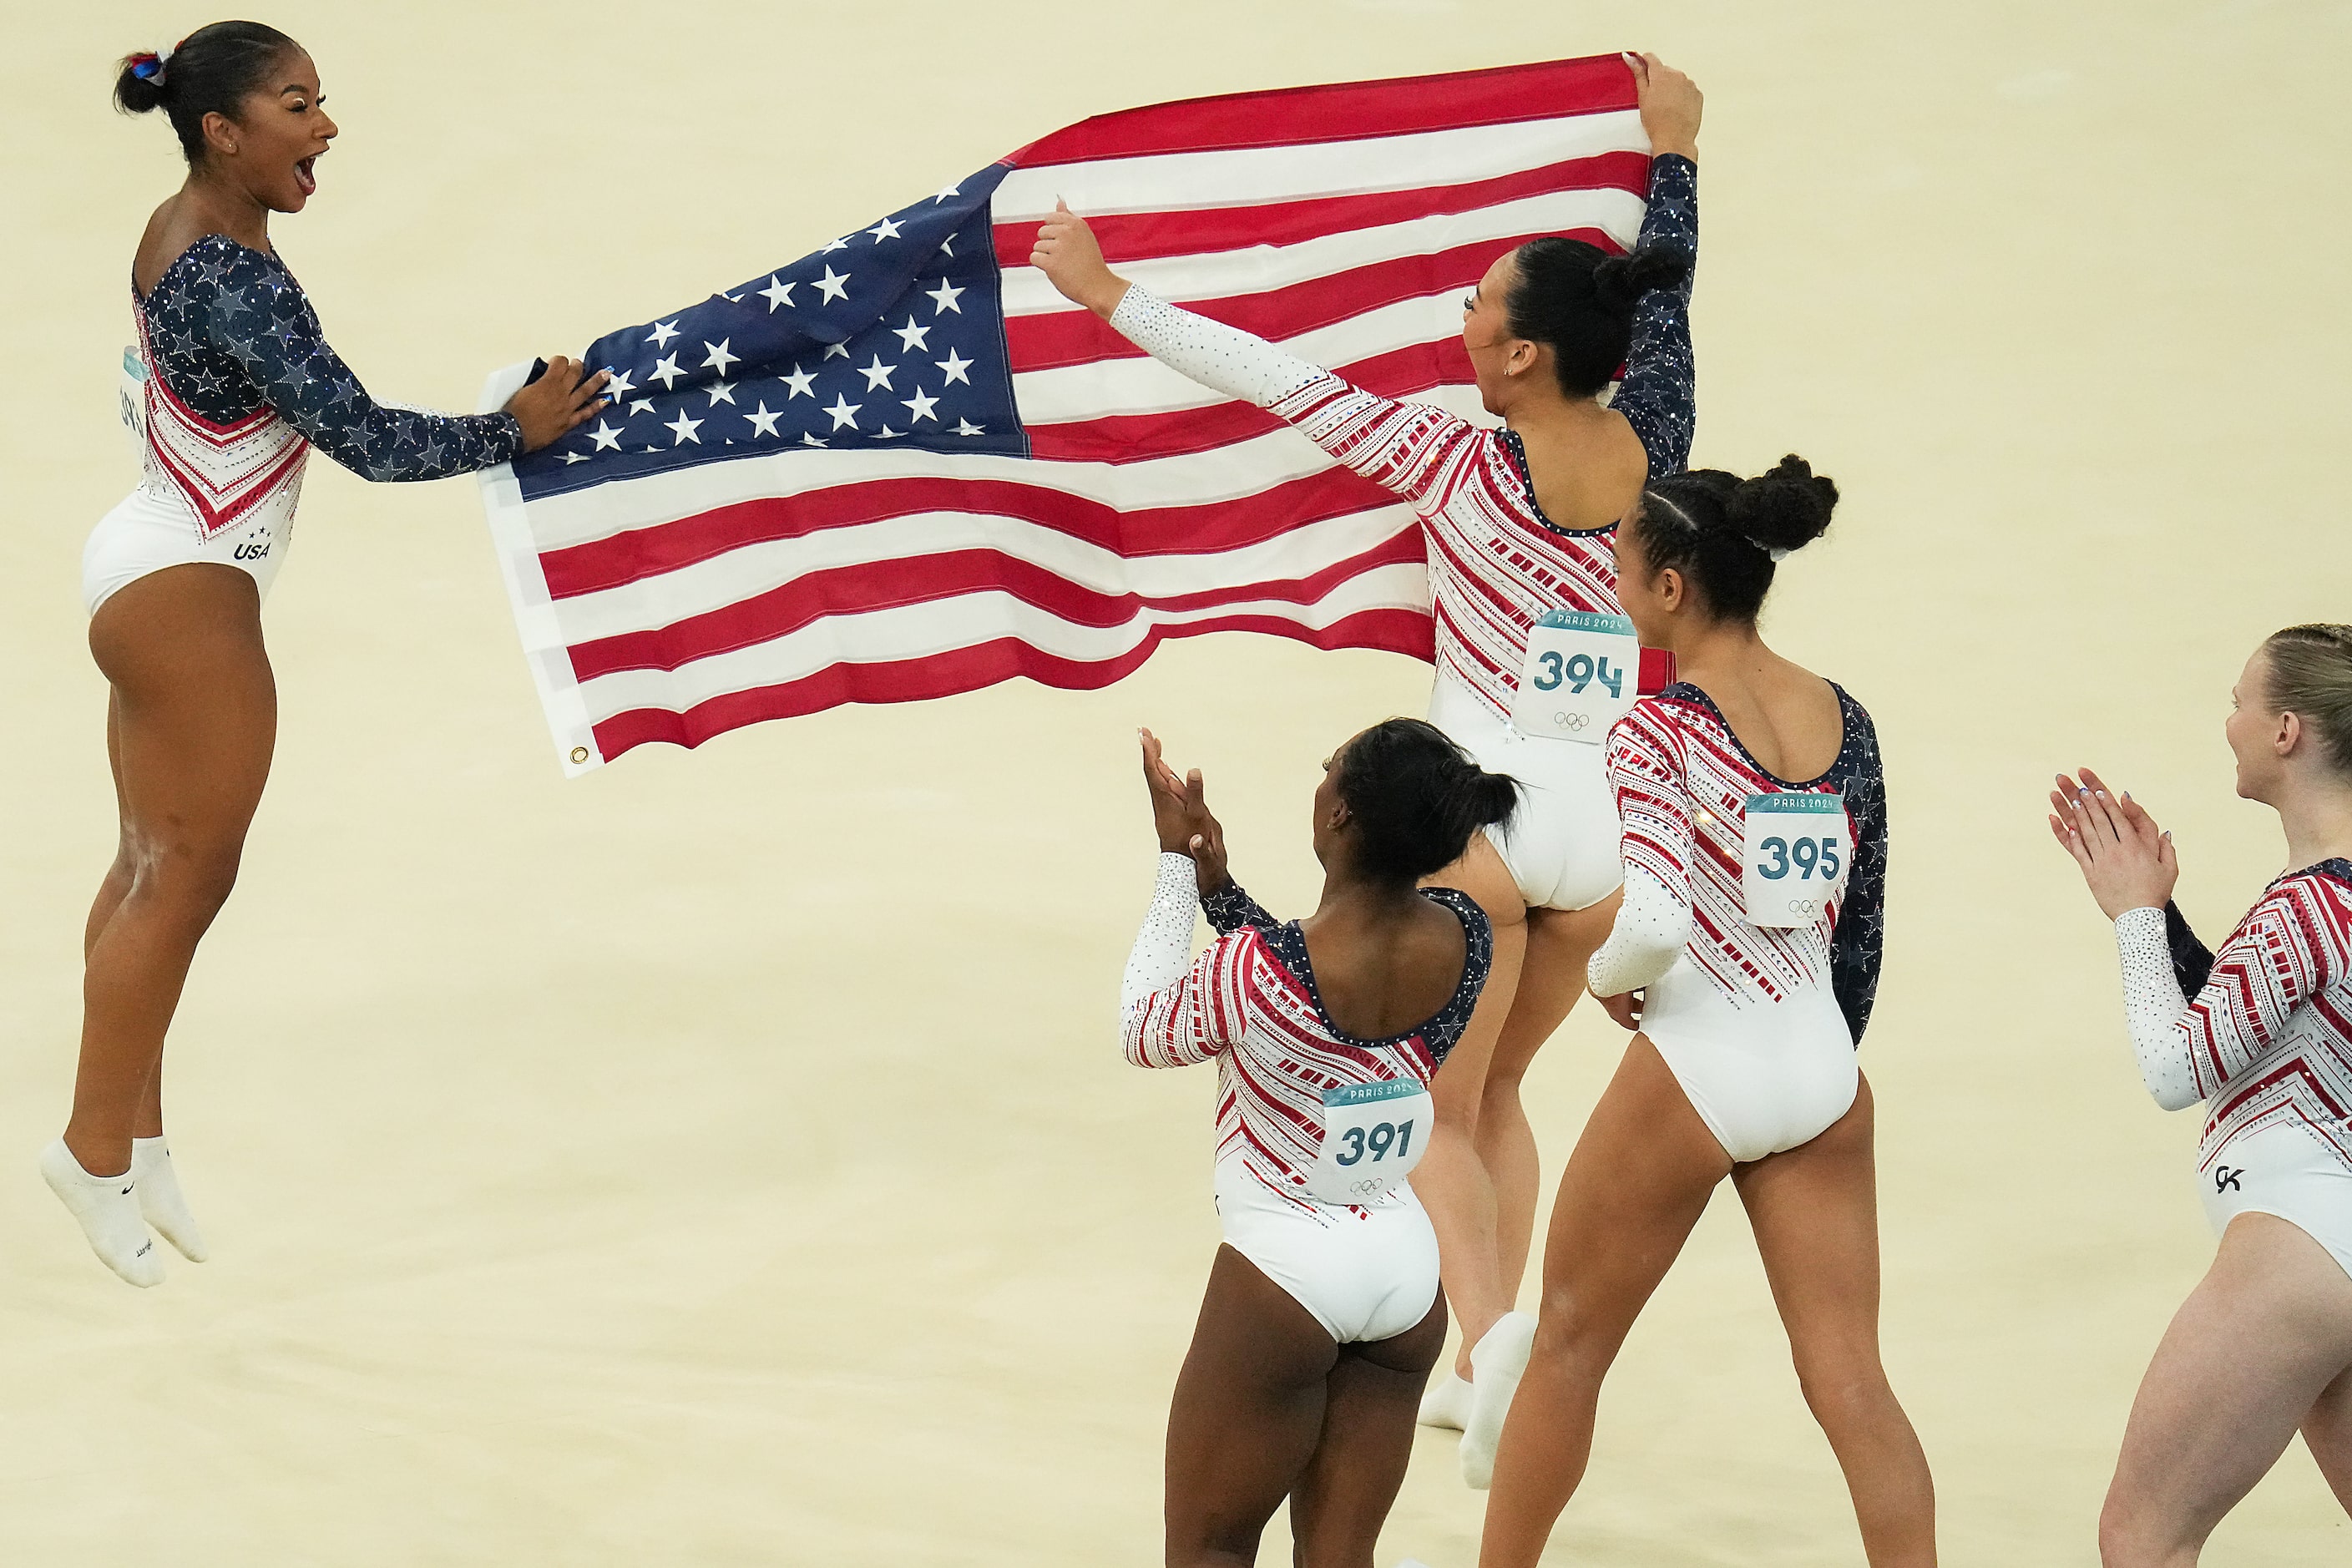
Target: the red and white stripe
(1343, 221)
(227, 474)
(2270, 1035)
(1239, 1006)
(1682, 786)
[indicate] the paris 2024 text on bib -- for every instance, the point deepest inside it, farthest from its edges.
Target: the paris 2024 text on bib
(1798, 847)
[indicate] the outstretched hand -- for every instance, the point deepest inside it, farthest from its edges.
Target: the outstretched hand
(1072, 261)
(564, 397)
(1670, 103)
(1180, 816)
(2126, 860)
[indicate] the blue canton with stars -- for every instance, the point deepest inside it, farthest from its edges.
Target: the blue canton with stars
(889, 336)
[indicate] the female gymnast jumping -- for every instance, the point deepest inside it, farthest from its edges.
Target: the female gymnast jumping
(1517, 523)
(238, 384)
(1746, 952)
(2261, 1033)
(1322, 1316)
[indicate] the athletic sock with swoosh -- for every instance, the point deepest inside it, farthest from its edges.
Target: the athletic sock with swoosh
(107, 1207)
(160, 1199)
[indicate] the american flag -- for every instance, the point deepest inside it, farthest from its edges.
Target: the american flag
(904, 467)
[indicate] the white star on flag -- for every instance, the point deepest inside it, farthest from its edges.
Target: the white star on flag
(809, 440)
(944, 298)
(884, 434)
(966, 427)
(571, 458)
(667, 372)
(878, 375)
(844, 411)
(955, 364)
(777, 293)
(911, 336)
(642, 405)
(836, 351)
(684, 428)
(717, 358)
(662, 333)
(835, 285)
(920, 406)
(802, 383)
(607, 438)
(762, 422)
(833, 245)
(720, 392)
(886, 230)
(619, 386)
(945, 191)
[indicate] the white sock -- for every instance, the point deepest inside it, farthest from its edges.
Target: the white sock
(1497, 1361)
(160, 1199)
(108, 1210)
(1447, 1401)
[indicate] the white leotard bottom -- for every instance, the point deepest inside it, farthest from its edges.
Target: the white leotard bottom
(2283, 1169)
(1365, 1275)
(150, 531)
(1763, 1076)
(1561, 847)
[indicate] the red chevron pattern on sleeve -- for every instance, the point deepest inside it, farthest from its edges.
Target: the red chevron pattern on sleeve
(2270, 1035)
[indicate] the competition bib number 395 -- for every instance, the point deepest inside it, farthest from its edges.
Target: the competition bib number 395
(1374, 1135)
(1798, 847)
(1584, 672)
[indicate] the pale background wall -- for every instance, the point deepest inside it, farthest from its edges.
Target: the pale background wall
(726, 1159)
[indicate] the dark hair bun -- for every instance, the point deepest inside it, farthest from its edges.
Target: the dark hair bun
(210, 71)
(1785, 508)
(135, 93)
(1417, 797)
(1621, 281)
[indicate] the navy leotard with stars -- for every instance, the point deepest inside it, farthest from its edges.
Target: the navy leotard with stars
(231, 332)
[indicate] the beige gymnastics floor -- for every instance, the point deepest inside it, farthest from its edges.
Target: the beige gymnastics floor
(726, 1159)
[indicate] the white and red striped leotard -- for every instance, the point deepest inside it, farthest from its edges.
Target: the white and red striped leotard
(2262, 1031)
(1496, 564)
(1759, 1023)
(1249, 1003)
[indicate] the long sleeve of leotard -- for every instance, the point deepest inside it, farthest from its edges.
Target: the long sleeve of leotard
(1176, 1011)
(1858, 940)
(1653, 920)
(1658, 395)
(2153, 1005)
(2292, 946)
(258, 316)
(1230, 909)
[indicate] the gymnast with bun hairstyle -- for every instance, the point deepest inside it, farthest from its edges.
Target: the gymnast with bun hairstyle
(1517, 522)
(1745, 953)
(231, 385)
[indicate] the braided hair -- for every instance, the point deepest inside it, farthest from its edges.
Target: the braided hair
(1725, 535)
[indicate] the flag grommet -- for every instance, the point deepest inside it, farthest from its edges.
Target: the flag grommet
(579, 755)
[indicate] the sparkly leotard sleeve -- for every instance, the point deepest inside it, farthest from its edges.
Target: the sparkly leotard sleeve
(2278, 995)
(230, 333)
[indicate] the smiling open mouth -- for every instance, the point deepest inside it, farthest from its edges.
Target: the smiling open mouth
(306, 176)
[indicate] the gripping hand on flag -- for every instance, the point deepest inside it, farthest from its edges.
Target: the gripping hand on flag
(1180, 812)
(1073, 262)
(1670, 106)
(563, 397)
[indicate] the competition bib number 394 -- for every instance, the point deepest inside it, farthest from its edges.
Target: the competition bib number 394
(1374, 1135)
(1584, 672)
(1798, 847)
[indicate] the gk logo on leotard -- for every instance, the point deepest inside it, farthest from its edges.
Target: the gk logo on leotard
(2226, 1179)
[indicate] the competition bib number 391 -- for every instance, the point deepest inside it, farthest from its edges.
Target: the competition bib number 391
(1374, 1135)
(1798, 847)
(1583, 673)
